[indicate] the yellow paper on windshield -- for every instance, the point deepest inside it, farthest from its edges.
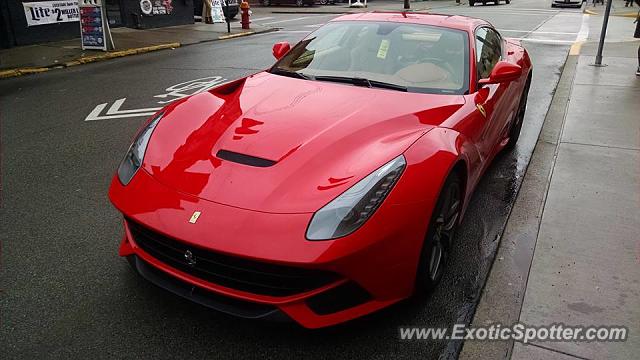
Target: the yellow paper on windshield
(383, 49)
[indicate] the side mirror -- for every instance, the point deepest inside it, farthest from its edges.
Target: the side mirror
(281, 48)
(503, 72)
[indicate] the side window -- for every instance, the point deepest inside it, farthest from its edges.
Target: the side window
(488, 51)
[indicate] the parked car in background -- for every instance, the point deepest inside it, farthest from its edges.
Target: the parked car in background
(484, 2)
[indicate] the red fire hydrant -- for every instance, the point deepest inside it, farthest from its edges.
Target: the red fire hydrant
(244, 7)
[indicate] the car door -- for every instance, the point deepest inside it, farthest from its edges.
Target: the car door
(491, 99)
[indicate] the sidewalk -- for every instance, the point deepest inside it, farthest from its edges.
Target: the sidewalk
(41, 57)
(577, 214)
(617, 9)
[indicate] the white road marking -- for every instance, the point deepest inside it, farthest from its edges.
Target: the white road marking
(545, 41)
(264, 18)
(538, 32)
(114, 111)
(471, 13)
(538, 10)
(297, 19)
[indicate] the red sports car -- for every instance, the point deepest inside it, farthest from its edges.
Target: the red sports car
(330, 185)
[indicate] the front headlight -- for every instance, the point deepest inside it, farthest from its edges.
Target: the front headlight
(133, 160)
(346, 213)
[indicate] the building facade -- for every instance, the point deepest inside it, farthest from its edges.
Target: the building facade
(25, 22)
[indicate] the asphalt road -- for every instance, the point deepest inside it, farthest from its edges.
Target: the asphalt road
(66, 293)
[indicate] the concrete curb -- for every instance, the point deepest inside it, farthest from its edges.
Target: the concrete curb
(9, 73)
(503, 304)
(632, 14)
(87, 59)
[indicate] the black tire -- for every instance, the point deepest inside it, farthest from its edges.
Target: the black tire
(299, 3)
(514, 133)
(484, 3)
(508, 2)
(266, 2)
(471, 2)
(440, 235)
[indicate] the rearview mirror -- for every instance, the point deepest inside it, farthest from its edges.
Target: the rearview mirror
(503, 72)
(281, 48)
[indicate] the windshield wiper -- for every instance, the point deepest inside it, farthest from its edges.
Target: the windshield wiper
(289, 73)
(362, 82)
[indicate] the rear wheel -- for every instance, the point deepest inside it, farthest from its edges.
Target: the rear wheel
(514, 133)
(471, 2)
(508, 2)
(299, 3)
(266, 2)
(440, 234)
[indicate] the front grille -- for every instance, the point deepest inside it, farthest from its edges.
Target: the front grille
(229, 271)
(203, 297)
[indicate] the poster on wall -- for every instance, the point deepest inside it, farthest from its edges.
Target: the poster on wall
(156, 7)
(50, 12)
(93, 27)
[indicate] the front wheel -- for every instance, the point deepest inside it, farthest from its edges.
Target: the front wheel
(440, 234)
(471, 3)
(299, 3)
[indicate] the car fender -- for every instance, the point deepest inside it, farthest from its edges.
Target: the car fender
(432, 158)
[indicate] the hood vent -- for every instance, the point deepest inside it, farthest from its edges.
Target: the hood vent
(244, 159)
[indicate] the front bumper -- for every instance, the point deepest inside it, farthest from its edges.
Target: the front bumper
(374, 267)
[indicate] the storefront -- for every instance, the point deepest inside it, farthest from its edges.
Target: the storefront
(24, 22)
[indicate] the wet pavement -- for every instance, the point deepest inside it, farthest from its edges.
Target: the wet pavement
(66, 293)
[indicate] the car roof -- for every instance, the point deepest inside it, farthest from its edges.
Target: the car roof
(443, 20)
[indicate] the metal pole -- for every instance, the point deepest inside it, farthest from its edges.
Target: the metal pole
(603, 33)
(228, 19)
(406, 4)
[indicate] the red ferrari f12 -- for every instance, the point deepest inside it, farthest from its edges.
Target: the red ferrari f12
(330, 185)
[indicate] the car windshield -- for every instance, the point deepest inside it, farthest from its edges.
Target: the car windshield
(396, 56)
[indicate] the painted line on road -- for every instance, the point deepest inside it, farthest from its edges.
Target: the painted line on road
(263, 18)
(472, 13)
(297, 19)
(295, 31)
(539, 32)
(538, 10)
(545, 41)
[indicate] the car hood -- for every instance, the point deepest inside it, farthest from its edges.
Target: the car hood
(294, 144)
